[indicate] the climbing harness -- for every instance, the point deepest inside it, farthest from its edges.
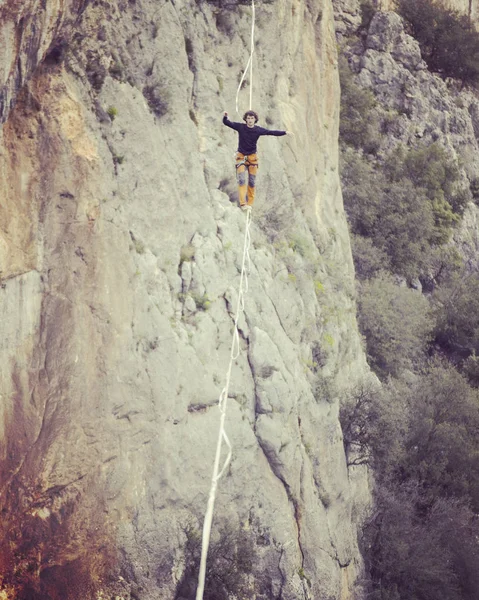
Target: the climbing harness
(245, 161)
(235, 351)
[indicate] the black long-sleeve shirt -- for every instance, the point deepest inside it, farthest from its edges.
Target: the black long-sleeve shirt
(248, 136)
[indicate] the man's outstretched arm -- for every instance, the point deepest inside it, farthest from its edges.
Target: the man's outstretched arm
(229, 123)
(277, 132)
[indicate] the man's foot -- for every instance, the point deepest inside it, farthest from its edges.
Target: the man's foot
(246, 207)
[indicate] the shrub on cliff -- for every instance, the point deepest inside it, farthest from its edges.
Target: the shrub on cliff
(369, 421)
(369, 260)
(410, 554)
(456, 304)
(421, 541)
(396, 324)
(407, 209)
(421, 431)
(449, 44)
(440, 451)
(431, 169)
(396, 216)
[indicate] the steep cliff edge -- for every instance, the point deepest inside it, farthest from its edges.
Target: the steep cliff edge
(414, 107)
(120, 253)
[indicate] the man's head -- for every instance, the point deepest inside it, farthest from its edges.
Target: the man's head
(251, 118)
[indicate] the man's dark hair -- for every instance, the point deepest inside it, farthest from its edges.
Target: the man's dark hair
(252, 113)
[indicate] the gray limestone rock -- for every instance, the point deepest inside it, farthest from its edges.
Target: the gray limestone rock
(121, 248)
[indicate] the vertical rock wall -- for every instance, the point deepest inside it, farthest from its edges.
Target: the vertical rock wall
(120, 248)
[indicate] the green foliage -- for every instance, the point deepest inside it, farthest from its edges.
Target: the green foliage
(112, 112)
(201, 300)
(139, 247)
(396, 323)
(318, 288)
(456, 304)
(412, 556)
(304, 577)
(396, 216)
(470, 368)
(474, 187)
(234, 4)
(441, 449)
(420, 432)
(359, 415)
(431, 169)
(449, 44)
(362, 191)
(421, 435)
(301, 245)
(404, 228)
(407, 209)
(117, 70)
(368, 259)
(328, 340)
(357, 124)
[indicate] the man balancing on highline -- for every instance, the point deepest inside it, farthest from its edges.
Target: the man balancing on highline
(247, 158)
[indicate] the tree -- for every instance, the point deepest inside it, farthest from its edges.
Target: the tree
(421, 540)
(449, 44)
(368, 259)
(408, 209)
(396, 323)
(441, 450)
(456, 306)
(415, 556)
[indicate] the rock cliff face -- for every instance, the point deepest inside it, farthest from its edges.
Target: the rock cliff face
(417, 107)
(348, 12)
(120, 251)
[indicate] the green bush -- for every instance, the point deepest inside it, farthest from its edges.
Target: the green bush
(396, 216)
(415, 556)
(449, 44)
(441, 452)
(233, 4)
(396, 324)
(456, 305)
(362, 185)
(421, 430)
(368, 259)
(359, 415)
(431, 169)
(112, 112)
(422, 434)
(470, 368)
(407, 208)
(404, 229)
